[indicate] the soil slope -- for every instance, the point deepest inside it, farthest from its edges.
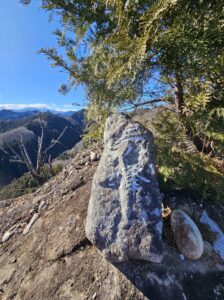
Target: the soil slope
(54, 260)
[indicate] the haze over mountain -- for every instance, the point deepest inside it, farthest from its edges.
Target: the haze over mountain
(6, 114)
(16, 114)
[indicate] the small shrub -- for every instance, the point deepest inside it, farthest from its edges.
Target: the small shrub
(64, 156)
(96, 116)
(26, 184)
(190, 171)
(180, 166)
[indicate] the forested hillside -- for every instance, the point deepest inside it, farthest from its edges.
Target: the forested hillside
(6, 114)
(29, 130)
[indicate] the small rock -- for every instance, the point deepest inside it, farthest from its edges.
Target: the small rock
(208, 249)
(217, 290)
(93, 156)
(212, 233)
(13, 260)
(187, 235)
(64, 192)
(82, 162)
(7, 235)
(41, 205)
(182, 257)
(30, 224)
(20, 225)
(32, 211)
(94, 296)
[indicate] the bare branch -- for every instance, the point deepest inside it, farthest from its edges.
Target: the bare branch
(54, 142)
(4, 151)
(151, 102)
(50, 165)
(23, 157)
(17, 161)
(40, 159)
(14, 152)
(163, 82)
(24, 150)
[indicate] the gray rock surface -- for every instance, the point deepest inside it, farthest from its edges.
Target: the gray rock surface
(187, 235)
(212, 233)
(124, 215)
(208, 249)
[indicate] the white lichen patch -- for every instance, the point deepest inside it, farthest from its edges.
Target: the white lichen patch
(152, 169)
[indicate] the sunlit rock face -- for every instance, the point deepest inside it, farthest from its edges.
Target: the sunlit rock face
(212, 233)
(124, 216)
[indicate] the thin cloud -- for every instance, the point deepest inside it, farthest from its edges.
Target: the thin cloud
(40, 106)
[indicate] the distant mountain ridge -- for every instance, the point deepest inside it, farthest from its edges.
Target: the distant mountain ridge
(16, 114)
(6, 114)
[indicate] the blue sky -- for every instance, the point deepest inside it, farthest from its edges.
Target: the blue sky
(26, 78)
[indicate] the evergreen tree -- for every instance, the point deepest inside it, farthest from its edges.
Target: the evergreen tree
(119, 49)
(129, 54)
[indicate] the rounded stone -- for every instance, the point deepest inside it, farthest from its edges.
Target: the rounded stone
(187, 235)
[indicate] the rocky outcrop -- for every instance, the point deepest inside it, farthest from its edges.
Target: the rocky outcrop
(187, 235)
(124, 217)
(55, 261)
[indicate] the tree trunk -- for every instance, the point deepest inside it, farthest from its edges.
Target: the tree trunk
(179, 95)
(179, 103)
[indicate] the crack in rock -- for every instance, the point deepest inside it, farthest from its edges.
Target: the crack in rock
(83, 244)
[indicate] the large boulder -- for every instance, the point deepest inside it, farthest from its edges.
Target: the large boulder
(124, 216)
(187, 235)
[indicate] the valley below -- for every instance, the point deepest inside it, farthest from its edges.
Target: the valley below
(14, 126)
